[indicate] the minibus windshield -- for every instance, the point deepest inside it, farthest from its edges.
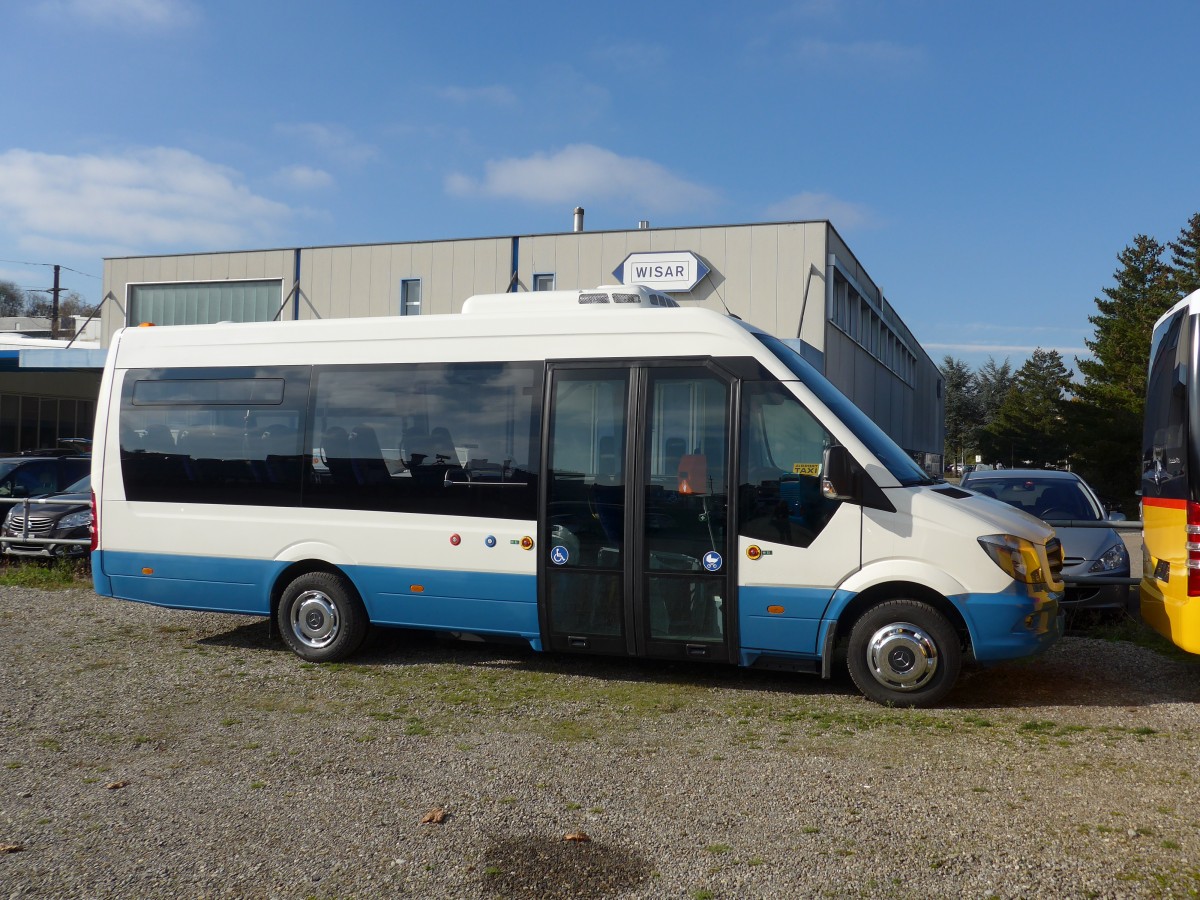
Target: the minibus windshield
(902, 467)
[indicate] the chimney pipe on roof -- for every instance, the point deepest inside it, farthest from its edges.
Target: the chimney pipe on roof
(578, 218)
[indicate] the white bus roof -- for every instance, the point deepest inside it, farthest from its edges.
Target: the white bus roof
(495, 329)
(616, 296)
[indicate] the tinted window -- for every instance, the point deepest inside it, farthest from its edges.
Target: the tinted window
(900, 464)
(214, 435)
(450, 439)
(779, 489)
(1164, 442)
(30, 479)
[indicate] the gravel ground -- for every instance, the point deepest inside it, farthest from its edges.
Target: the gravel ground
(152, 753)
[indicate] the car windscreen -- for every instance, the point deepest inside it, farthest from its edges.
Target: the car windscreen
(902, 466)
(82, 486)
(1043, 497)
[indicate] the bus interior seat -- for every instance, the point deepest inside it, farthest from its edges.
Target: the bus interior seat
(280, 457)
(366, 456)
(131, 441)
(336, 444)
(159, 439)
(443, 447)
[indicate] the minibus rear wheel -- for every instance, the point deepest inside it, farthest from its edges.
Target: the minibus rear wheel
(904, 653)
(321, 617)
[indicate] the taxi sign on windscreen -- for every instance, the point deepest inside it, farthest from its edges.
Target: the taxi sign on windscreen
(813, 470)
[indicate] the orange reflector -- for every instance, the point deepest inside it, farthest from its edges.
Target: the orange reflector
(416, 588)
(147, 571)
(775, 610)
(754, 552)
(527, 543)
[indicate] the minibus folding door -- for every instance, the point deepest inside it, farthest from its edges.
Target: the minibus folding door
(635, 552)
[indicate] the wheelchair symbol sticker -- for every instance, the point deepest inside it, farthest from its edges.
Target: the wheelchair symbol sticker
(712, 560)
(559, 555)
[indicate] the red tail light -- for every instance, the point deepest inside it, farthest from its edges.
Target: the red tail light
(1193, 548)
(95, 525)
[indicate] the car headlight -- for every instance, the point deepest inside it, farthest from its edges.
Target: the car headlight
(1016, 556)
(12, 511)
(76, 519)
(1115, 557)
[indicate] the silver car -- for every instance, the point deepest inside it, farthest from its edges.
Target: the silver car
(1065, 497)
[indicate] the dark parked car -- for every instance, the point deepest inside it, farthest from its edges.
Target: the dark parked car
(37, 476)
(1065, 497)
(66, 515)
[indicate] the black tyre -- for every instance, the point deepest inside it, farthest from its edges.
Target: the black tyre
(904, 653)
(321, 617)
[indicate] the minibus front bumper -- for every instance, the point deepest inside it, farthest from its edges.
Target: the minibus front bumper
(1021, 621)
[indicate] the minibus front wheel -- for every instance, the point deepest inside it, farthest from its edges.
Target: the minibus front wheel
(904, 653)
(321, 617)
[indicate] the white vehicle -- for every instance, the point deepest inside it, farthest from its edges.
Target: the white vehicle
(592, 471)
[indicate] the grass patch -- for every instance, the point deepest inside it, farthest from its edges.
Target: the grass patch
(46, 575)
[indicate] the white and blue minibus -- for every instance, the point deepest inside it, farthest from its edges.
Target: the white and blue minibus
(595, 472)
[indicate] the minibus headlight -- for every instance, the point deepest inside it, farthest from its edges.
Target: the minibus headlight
(1016, 556)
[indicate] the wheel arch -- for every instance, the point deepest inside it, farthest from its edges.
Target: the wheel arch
(306, 567)
(900, 590)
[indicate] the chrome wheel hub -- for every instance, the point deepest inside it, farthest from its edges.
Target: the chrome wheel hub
(314, 620)
(902, 657)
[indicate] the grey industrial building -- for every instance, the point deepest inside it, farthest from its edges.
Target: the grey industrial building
(797, 280)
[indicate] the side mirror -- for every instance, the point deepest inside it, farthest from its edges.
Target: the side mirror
(1115, 515)
(837, 474)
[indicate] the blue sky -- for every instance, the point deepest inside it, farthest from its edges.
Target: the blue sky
(986, 162)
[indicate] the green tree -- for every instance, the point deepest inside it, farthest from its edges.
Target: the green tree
(1029, 428)
(992, 382)
(1112, 395)
(12, 299)
(962, 408)
(1185, 258)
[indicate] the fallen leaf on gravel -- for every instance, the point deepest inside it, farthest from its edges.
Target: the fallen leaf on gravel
(577, 836)
(435, 816)
(11, 848)
(116, 785)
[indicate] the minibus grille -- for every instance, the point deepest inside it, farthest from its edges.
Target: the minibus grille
(1054, 553)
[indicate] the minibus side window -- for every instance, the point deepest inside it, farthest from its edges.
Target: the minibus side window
(779, 488)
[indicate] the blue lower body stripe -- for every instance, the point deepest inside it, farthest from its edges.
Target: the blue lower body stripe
(486, 602)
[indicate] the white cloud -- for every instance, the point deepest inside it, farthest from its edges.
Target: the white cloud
(161, 15)
(148, 200)
(334, 141)
(583, 173)
(492, 95)
(303, 178)
(844, 215)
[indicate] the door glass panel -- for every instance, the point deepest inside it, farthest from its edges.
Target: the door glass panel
(779, 492)
(686, 555)
(586, 496)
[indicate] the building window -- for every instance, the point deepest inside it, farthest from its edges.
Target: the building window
(205, 302)
(410, 297)
(543, 282)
